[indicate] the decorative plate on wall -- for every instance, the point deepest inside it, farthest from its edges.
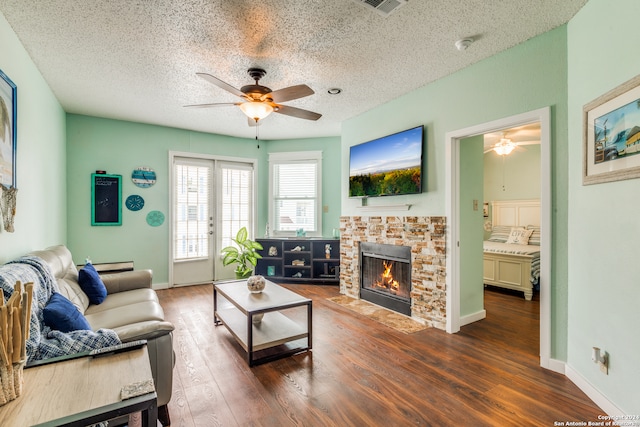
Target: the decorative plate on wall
(155, 218)
(134, 202)
(143, 177)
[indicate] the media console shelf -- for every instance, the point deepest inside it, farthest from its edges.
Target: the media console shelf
(300, 260)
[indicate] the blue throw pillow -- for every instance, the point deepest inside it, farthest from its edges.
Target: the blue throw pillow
(60, 314)
(92, 284)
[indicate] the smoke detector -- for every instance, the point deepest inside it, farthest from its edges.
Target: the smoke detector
(463, 44)
(383, 7)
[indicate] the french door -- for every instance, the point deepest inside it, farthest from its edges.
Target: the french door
(193, 221)
(212, 199)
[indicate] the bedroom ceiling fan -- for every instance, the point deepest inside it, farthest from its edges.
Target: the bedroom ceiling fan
(506, 145)
(259, 101)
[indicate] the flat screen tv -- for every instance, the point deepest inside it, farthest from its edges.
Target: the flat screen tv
(387, 166)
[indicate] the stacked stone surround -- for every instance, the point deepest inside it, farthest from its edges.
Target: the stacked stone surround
(426, 237)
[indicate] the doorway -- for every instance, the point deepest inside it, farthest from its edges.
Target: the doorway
(211, 198)
(452, 141)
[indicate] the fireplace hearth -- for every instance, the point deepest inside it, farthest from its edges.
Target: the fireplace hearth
(385, 276)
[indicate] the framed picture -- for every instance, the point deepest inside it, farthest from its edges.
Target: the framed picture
(612, 135)
(8, 115)
(106, 193)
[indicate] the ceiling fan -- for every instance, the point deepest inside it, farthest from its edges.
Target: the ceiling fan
(259, 101)
(506, 145)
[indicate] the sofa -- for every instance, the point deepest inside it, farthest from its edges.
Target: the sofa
(131, 309)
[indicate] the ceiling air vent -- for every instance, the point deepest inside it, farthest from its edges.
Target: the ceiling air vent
(383, 7)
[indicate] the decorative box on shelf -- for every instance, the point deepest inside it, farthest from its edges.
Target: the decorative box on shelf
(303, 260)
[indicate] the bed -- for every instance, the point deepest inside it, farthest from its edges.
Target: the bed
(514, 265)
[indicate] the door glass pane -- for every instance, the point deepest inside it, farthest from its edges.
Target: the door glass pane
(236, 201)
(192, 212)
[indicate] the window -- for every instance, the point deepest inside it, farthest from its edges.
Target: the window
(295, 189)
(236, 200)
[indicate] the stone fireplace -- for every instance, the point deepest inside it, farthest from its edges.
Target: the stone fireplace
(424, 240)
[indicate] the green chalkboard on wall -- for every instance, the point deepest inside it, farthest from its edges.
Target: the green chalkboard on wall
(106, 194)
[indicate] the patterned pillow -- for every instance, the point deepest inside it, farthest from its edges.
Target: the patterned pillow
(519, 236)
(500, 233)
(535, 236)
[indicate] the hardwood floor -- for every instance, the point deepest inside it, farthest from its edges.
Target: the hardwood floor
(361, 373)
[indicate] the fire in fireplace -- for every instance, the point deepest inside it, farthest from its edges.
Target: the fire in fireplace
(385, 276)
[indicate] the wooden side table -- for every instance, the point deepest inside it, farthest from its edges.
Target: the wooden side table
(82, 391)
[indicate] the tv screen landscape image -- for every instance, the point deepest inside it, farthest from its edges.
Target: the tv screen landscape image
(387, 166)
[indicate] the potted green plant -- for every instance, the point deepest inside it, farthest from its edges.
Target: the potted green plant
(245, 255)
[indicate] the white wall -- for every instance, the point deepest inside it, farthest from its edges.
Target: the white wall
(604, 226)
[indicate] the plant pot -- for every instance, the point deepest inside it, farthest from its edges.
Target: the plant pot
(243, 276)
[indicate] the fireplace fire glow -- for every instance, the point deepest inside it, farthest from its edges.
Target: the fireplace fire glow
(386, 280)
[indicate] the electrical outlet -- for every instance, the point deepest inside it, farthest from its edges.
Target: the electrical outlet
(604, 368)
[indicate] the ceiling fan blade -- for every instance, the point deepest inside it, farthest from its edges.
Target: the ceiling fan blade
(290, 93)
(226, 86)
(297, 112)
(215, 104)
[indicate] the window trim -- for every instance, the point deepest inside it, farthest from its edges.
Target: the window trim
(296, 157)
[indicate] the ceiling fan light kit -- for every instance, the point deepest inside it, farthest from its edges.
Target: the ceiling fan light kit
(256, 110)
(504, 147)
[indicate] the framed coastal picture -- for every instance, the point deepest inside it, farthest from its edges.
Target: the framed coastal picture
(8, 114)
(612, 135)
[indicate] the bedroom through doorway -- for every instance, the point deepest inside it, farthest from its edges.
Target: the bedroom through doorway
(467, 248)
(511, 235)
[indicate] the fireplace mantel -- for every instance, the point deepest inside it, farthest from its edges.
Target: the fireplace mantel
(426, 238)
(384, 208)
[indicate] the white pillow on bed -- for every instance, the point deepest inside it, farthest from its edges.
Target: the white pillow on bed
(519, 236)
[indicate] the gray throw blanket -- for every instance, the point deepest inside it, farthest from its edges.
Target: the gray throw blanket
(44, 343)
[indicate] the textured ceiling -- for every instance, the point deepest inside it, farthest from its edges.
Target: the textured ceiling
(136, 59)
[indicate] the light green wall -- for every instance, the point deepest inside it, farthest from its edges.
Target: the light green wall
(603, 218)
(471, 229)
(519, 172)
(119, 146)
(330, 148)
(527, 77)
(512, 177)
(40, 219)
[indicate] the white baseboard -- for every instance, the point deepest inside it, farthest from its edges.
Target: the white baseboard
(157, 286)
(592, 392)
(554, 365)
(470, 318)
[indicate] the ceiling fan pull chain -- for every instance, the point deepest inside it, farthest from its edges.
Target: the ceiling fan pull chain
(258, 142)
(503, 159)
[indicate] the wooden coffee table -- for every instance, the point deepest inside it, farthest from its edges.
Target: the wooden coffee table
(276, 335)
